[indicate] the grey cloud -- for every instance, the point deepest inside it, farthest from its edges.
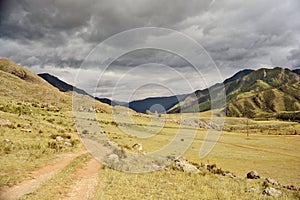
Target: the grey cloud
(236, 34)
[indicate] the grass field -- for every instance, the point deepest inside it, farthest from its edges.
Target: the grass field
(272, 155)
(268, 152)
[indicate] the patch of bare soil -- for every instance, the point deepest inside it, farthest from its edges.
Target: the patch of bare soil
(38, 177)
(86, 181)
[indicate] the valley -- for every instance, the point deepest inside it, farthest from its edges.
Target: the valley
(39, 133)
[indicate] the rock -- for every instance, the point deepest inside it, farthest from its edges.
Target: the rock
(272, 181)
(26, 130)
(67, 144)
(208, 166)
(59, 139)
(269, 191)
(291, 187)
(253, 175)
(253, 190)
(221, 179)
(111, 144)
(7, 140)
(113, 158)
(137, 146)
(182, 164)
(5, 122)
(229, 174)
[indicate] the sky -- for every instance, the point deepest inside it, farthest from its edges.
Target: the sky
(127, 50)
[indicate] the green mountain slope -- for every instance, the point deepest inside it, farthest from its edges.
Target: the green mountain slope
(260, 93)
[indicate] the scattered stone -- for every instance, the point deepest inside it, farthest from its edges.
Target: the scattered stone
(253, 190)
(208, 166)
(7, 140)
(269, 191)
(59, 139)
(67, 144)
(292, 187)
(253, 175)
(5, 122)
(26, 130)
(228, 174)
(113, 157)
(182, 164)
(112, 144)
(137, 146)
(272, 181)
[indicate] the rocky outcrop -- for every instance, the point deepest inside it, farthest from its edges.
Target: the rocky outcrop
(253, 175)
(181, 164)
(272, 181)
(269, 191)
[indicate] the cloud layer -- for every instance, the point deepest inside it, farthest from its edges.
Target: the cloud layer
(56, 35)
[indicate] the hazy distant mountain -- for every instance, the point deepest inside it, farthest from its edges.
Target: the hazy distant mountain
(108, 101)
(153, 102)
(61, 85)
(297, 71)
(250, 93)
(263, 92)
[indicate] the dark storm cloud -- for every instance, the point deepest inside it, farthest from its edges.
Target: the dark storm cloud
(144, 56)
(236, 34)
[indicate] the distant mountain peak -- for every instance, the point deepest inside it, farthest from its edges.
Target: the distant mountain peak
(238, 75)
(61, 85)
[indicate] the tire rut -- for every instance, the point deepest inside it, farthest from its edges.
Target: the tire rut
(39, 177)
(85, 182)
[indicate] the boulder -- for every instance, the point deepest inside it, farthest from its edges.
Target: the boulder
(253, 175)
(137, 147)
(253, 190)
(67, 144)
(5, 122)
(113, 158)
(182, 164)
(269, 191)
(59, 139)
(272, 181)
(292, 187)
(26, 130)
(228, 174)
(7, 140)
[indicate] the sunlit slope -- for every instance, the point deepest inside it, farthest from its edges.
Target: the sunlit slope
(260, 93)
(20, 84)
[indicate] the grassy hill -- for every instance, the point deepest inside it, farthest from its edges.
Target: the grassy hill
(260, 93)
(21, 84)
(32, 114)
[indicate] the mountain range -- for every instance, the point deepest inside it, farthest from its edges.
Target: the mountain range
(260, 93)
(137, 105)
(251, 93)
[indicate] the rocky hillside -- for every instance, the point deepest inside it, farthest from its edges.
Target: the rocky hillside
(260, 93)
